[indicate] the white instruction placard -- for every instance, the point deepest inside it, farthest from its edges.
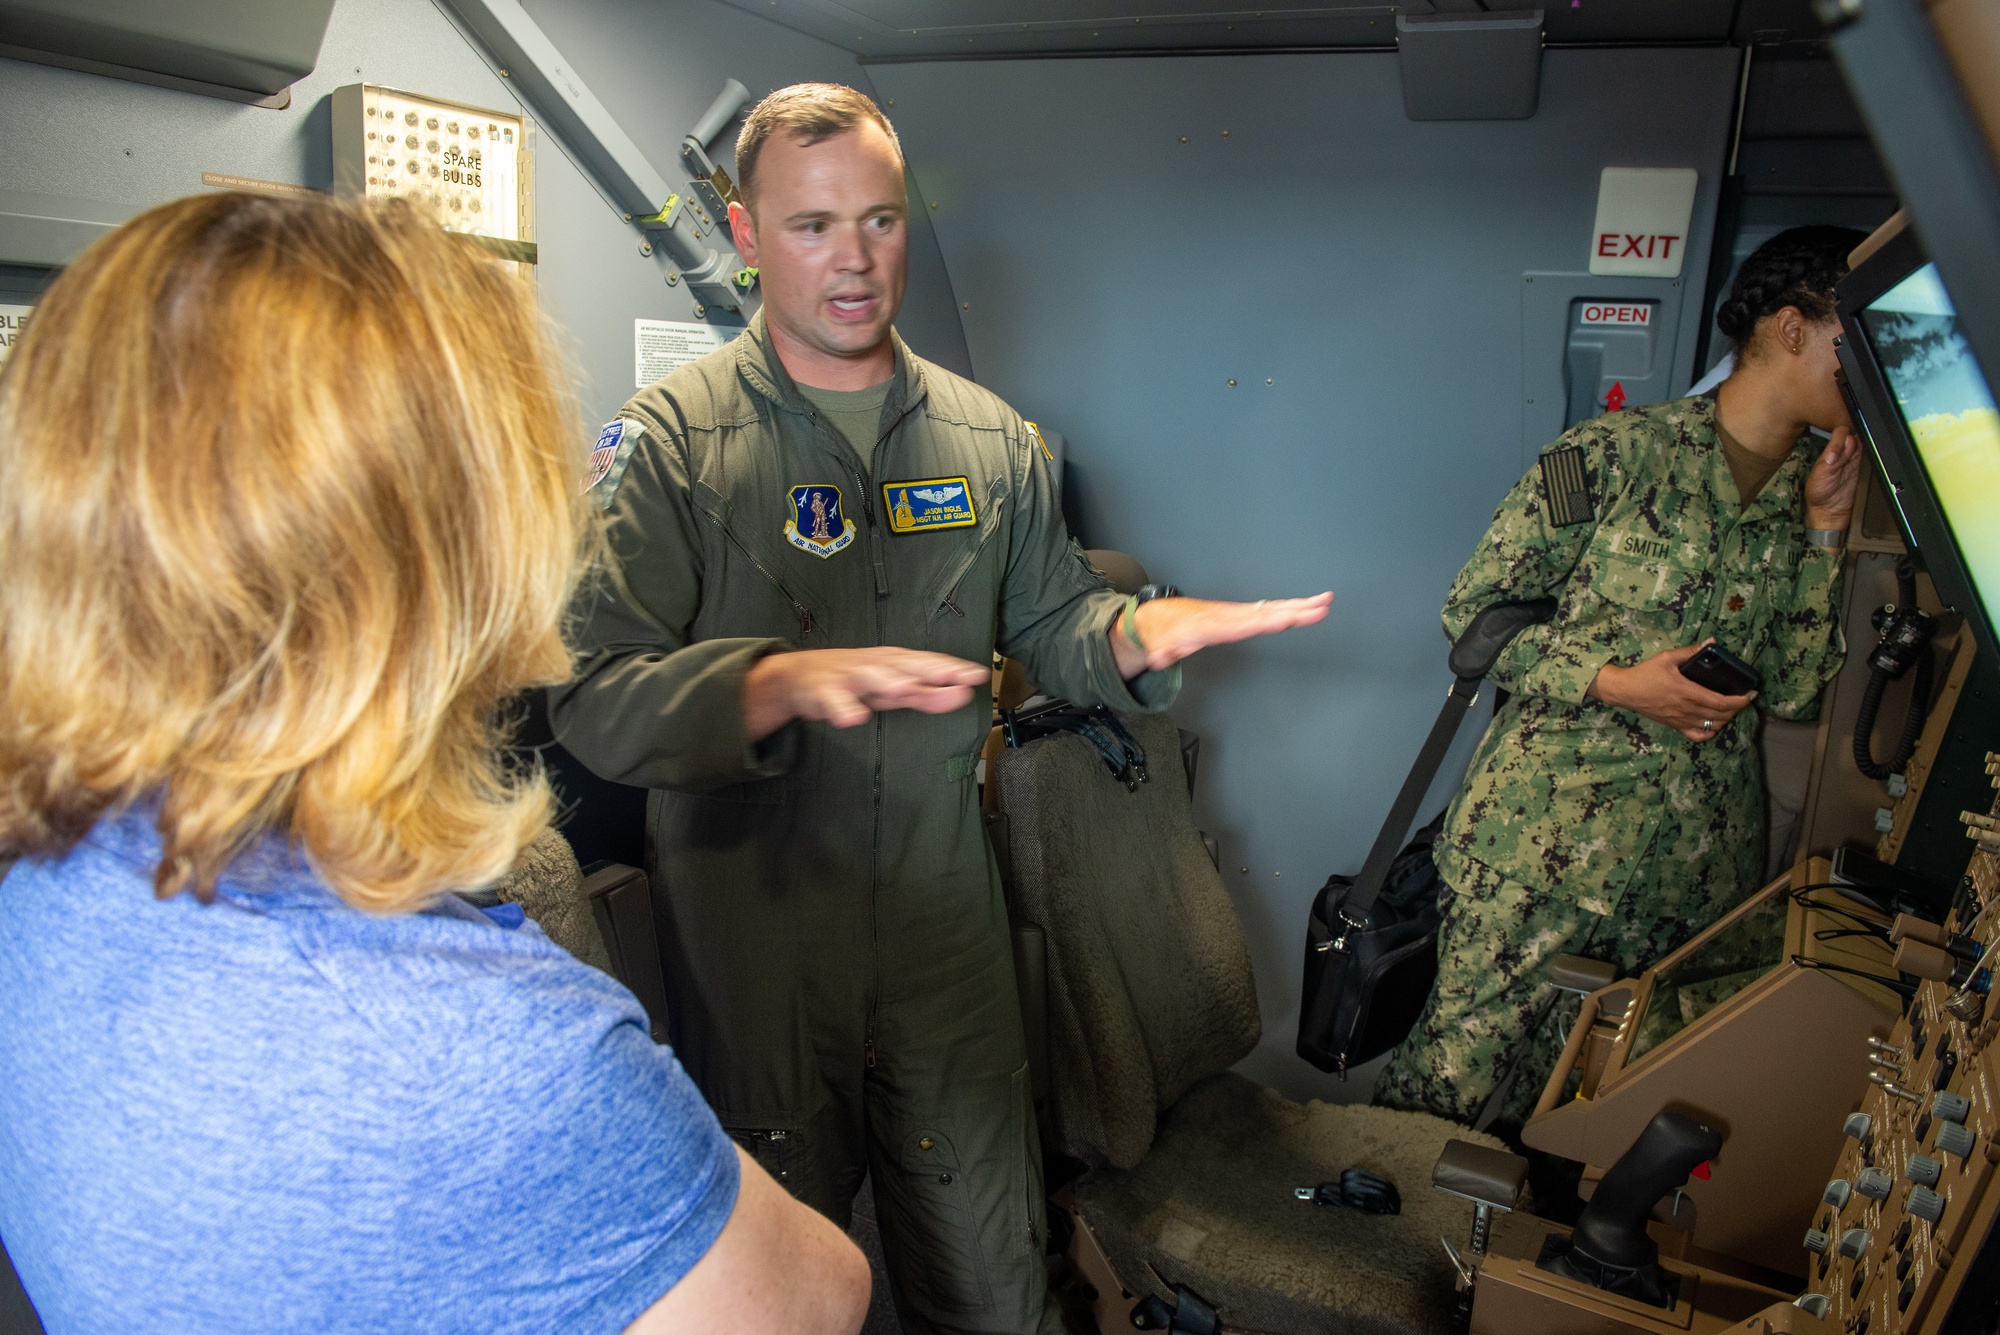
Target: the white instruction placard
(660, 346)
(1642, 221)
(13, 319)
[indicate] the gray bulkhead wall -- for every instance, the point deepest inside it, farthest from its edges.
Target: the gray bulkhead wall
(126, 146)
(1370, 268)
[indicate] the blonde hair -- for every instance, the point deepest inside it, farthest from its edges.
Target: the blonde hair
(809, 112)
(288, 509)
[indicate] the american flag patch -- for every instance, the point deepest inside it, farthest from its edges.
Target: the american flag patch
(1564, 493)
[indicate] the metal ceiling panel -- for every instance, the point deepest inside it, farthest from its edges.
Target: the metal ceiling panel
(938, 29)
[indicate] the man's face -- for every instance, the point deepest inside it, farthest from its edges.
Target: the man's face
(828, 231)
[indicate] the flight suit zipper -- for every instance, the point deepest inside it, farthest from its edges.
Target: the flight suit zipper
(878, 726)
(799, 607)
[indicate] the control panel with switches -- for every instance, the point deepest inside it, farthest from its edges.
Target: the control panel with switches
(1903, 1238)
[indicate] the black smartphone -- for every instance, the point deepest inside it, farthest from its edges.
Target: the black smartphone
(1722, 672)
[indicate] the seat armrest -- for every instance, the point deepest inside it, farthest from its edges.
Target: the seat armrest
(1574, 973)
(622, 903)
(1484, 1176)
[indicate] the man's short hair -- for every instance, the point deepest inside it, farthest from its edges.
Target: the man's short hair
(809, 113)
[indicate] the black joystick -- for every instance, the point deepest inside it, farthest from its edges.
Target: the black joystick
(1609, 1248)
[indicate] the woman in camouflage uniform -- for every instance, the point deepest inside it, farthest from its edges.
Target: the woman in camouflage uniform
(1615, 808)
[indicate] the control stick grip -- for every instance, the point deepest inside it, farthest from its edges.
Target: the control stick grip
(1612, 1228)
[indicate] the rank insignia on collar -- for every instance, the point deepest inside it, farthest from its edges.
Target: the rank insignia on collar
(939, 502)
(817, 525)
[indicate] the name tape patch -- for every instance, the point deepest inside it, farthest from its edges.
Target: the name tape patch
(817, 524)
(938, 502)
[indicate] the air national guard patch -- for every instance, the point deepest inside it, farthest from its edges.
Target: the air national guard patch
(817, 525)
(940, 502)
(609, 457)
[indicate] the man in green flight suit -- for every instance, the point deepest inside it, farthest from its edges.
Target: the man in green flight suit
(1615, 807)
(817, 540)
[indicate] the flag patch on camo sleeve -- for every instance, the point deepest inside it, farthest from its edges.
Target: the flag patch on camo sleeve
(1564, 492)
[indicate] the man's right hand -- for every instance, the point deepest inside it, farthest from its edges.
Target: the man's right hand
(1656, 689)
(845, 687)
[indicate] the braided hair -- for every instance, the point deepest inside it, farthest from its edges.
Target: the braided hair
(1797, 267)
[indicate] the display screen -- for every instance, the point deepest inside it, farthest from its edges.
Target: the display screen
(1714, 971)
(1948, 408)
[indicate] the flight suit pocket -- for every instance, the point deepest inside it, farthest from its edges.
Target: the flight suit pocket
(960, 587)
(1027, 1148)
(949, 1269)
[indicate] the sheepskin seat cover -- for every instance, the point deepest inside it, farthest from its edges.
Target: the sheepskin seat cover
(1148, 975)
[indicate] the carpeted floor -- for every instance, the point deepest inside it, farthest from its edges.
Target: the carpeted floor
(1211, 1207)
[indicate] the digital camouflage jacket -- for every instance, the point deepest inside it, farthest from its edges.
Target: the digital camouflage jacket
(1565, 791)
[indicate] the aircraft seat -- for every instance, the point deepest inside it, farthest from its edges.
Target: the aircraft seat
(604, 918)
(548, 885)
(1193, 1170)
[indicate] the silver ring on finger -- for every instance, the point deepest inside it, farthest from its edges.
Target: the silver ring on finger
(1707, 726)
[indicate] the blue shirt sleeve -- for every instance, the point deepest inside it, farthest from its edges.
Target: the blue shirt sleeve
(579, 1174)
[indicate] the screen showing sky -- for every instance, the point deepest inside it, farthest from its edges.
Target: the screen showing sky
(1949, 410)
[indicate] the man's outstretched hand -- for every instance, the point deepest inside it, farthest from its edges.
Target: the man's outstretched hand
(845, 687)
(1173, 628)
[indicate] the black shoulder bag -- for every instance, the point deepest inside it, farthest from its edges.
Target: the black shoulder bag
(1371, 942)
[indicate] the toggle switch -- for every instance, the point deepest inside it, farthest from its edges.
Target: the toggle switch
(1955, 1139)
(1926, 1204)
(1922, 1169)
(1817, 1242)
(1949, 1107)
(1836, 1193)
(1857, 1125)
(1854, 1243)
(1874, 1183)
(1892, 1089)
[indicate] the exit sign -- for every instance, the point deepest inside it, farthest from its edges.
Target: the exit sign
(1643, 215)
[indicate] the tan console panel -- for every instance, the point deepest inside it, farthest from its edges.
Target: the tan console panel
(1756, 1026)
